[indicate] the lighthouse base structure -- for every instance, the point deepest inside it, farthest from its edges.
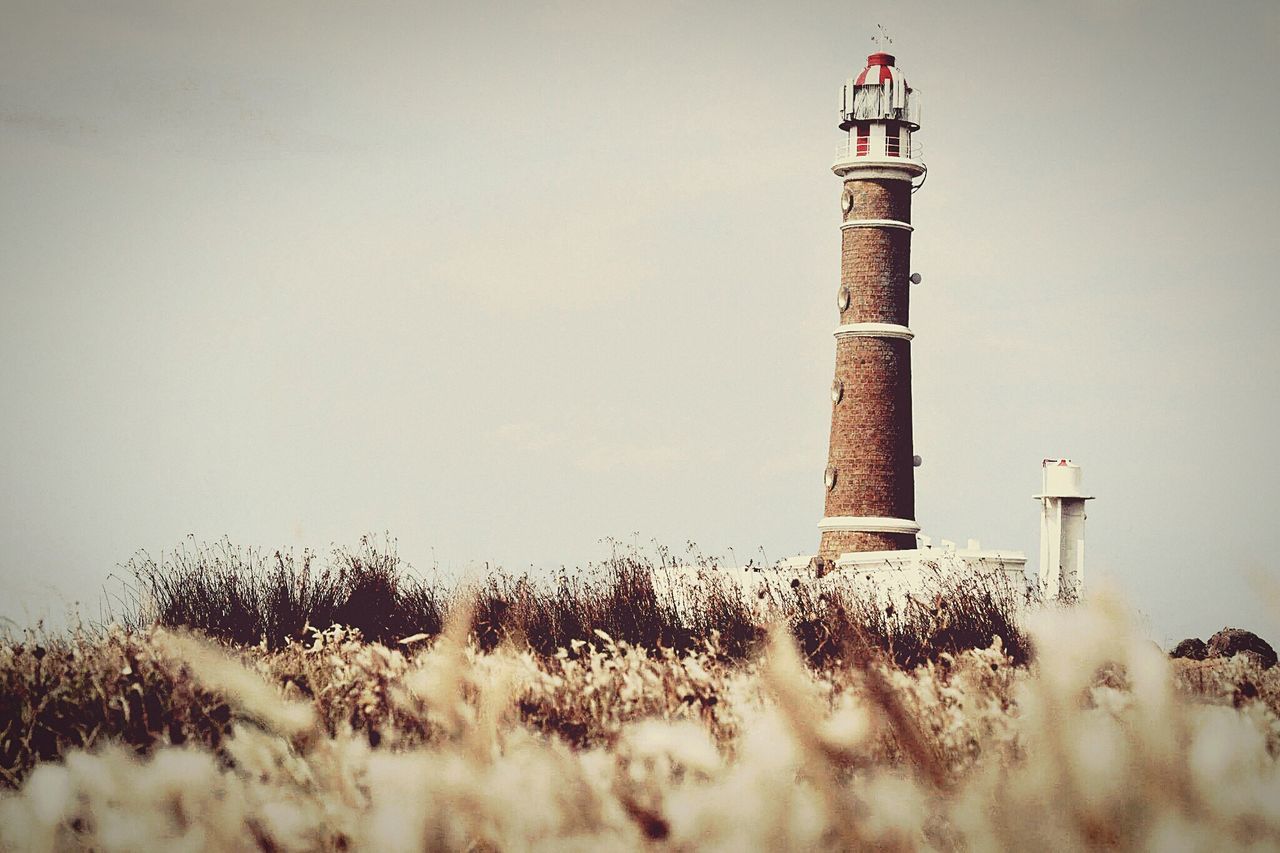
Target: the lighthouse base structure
(897, 577)
(916, 571)
(901, 573)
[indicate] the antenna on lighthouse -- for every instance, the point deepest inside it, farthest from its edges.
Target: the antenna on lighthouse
(881, 38)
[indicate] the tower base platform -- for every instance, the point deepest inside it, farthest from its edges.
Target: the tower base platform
(915, 571)
(896, 577)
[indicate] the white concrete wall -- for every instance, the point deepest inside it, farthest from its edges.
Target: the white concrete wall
(892, 576)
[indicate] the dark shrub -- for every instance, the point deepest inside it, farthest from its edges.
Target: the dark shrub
(1233, 641)
(1192, 648)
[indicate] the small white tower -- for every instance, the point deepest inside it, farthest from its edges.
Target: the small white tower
(1061, 530)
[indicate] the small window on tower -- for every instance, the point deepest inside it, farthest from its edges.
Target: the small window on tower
(864, 131)
(892, 141)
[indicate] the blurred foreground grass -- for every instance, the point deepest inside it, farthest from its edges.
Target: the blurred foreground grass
(151, 738)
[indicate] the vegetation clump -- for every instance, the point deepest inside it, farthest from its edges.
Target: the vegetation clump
(243, 597)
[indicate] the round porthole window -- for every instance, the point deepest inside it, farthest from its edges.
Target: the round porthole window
(837, 391)
(846, 200)
(831, 477)
(842, 299)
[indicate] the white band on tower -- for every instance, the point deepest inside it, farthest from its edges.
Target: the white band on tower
(874, 330)
(852, 169)
(876, 223)
(869, 524)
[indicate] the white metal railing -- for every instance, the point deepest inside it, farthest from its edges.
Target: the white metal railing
(878, 148)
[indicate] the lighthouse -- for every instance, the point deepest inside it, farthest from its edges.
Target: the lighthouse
(869, 478)
(1062, 516)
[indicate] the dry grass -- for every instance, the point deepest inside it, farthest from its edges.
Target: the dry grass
(241, 596)
(152, 738)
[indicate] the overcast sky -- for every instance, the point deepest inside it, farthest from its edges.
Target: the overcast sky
(507, 279)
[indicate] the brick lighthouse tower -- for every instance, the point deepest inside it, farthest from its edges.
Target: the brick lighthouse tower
(870, 485)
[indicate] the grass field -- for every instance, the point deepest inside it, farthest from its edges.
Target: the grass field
(593, 714)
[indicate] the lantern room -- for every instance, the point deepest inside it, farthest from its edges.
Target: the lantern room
(879, 110)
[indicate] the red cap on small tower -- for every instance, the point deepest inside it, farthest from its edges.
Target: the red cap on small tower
(881, 59)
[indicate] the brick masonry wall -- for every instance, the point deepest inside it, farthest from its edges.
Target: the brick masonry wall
(871, 442)
(880, 198)
(875, 265)
(837, 542)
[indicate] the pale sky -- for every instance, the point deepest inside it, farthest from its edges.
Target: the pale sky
(508, 279)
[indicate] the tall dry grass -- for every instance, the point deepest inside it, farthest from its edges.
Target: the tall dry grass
(338, 743)
(243, 596)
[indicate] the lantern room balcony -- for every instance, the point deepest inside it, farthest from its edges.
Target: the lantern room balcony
(879, 148)
(879, 154)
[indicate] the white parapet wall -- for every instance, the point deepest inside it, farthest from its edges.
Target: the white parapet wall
(902, 575)
(893, 577)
